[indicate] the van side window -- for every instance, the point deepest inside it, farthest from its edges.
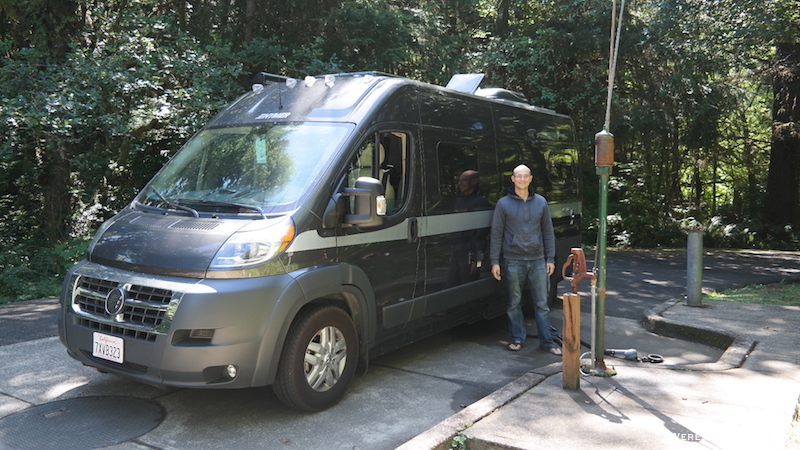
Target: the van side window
(458, 179)
(562, 166)
(384, 156)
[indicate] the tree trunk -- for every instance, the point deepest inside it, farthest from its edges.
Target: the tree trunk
(249, 20)
(501, 25)
(54, 181)
(782, 205)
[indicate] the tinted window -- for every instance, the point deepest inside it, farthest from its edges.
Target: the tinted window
(384, 156)
(459, 181)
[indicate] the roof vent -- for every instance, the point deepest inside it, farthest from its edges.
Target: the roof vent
(465, 82)
(264, 78)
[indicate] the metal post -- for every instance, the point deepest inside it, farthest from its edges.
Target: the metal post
(694, 269)
(600, 266)
(604, 161)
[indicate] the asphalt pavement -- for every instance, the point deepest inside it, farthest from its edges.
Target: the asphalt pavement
(641, 279)
(728, 380)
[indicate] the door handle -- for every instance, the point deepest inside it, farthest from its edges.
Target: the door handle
(413, 229)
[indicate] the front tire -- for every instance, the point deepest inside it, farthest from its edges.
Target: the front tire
(318, 360)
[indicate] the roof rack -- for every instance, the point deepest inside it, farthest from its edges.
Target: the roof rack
(265, 78)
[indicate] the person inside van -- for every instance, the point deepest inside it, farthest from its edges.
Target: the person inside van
(467, 247)
(522, 232)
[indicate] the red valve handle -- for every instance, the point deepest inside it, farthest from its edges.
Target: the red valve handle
(577, 260)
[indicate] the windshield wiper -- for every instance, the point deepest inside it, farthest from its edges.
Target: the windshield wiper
(221, 203)
(192, 211)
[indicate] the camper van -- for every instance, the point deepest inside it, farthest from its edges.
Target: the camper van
(314, 224)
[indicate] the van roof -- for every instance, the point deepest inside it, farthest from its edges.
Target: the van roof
(336, 97)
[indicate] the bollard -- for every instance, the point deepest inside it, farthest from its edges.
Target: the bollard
(571, 343)
(694, 269)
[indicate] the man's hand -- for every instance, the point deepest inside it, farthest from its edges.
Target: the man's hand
(550, 268)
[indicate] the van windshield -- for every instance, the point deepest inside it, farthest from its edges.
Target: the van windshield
(247, 169)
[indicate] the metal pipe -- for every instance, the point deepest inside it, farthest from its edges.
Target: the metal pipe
(694, 269)
(600, 265)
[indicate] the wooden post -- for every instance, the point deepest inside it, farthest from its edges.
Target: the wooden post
(571, 344)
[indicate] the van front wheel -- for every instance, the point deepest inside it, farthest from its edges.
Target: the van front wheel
(318, 360)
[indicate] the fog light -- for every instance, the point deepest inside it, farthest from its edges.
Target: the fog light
(231, 371)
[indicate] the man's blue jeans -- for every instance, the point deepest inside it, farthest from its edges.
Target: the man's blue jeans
(532, 274)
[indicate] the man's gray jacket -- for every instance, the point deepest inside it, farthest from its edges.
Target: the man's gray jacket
(522, 229)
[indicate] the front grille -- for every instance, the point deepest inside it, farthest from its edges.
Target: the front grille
(142, 314)
(116, 330)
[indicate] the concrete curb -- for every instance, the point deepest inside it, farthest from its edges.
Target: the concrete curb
(737, 349)
(441, 435)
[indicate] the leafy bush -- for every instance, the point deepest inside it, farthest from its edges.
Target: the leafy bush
(28, 273)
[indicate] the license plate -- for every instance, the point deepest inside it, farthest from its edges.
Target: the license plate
(108, 347)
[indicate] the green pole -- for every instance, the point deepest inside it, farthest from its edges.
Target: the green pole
(604, 161)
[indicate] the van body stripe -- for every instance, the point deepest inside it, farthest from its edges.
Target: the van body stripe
(428, 226)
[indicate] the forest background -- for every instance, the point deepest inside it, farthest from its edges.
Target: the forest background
(95, 95)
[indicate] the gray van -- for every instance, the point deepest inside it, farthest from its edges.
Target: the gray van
(311, 225)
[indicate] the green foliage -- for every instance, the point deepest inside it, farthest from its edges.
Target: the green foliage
(80, 137)
(112, 113)
(28, 272)
(371, 34)
(532, 59)
(459, 442)
(95, 96)
(461, 439)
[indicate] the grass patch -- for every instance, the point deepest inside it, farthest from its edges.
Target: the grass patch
(783, 294)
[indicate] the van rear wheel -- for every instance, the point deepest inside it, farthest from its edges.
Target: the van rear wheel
(318, 360)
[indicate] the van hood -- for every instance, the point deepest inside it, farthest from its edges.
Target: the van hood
(164, 244)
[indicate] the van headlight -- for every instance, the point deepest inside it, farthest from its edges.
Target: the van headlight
(250, 248)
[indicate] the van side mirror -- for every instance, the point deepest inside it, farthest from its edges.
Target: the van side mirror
(370, 204)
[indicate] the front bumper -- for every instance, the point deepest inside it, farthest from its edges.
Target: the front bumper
(176, 332)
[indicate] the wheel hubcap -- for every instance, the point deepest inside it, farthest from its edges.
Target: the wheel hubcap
(326, 356)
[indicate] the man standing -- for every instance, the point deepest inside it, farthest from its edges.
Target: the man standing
(522, 232)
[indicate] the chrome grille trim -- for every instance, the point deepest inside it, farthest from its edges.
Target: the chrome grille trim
(146, 313)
